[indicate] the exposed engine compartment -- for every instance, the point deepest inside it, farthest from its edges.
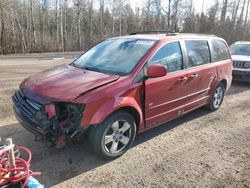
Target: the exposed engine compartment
(65, 124)
(56, 122)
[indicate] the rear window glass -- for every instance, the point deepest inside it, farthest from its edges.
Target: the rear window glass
(198, 52)
(240, 49)
(220, 50)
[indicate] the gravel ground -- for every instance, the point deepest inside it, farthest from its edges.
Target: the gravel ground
(200, 149)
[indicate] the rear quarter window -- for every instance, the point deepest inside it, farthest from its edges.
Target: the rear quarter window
(220, 50)
(198, 52)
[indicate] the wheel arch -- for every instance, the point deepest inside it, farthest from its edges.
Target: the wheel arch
(102, 112)
(224, 82)
(133, 112)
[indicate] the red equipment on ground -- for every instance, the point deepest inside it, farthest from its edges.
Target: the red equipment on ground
(14, 170)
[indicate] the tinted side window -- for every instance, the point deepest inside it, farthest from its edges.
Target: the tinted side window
(169, 55)
(198, 52)
(220, 50)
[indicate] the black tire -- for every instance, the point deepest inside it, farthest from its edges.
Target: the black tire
(97, 135)
(212, 103)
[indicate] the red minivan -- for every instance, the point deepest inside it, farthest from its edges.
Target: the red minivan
(124, 86)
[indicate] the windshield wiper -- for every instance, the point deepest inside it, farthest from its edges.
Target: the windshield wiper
(94, 69)
(86, 68)
(89, 68)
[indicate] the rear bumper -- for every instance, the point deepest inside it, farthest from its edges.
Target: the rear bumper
(241, 75)
(28, 124)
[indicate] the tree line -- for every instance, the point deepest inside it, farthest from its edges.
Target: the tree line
(28, 26)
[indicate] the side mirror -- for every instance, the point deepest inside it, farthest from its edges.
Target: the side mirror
(156, 70)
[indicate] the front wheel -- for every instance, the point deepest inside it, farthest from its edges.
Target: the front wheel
(217, 98)
(115, 136)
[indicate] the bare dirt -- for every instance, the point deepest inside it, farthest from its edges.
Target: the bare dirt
(201, 149)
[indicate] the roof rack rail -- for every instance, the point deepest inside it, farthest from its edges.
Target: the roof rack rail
(199, 34)
(152, 32)
(170, 33)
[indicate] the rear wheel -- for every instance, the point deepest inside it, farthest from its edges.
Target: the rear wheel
(115, 136)
(217, 98)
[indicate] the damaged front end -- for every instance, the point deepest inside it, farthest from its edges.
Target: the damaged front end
(55, 122)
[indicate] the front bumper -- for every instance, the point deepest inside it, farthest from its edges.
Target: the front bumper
(28, 124)
(241, 74)
(34, 117)
(30, 114)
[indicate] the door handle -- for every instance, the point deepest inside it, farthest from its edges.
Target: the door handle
(194, 75)
(183, 78)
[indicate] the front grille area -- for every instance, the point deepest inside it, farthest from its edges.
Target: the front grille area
(239, 64)
(26, 106)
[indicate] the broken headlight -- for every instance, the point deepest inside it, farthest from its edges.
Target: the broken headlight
(70, 111)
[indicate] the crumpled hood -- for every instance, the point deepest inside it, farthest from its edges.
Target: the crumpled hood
(240, 58)
(63, 83)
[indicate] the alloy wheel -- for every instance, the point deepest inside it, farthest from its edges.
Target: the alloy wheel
(218, 97)
(117, 136)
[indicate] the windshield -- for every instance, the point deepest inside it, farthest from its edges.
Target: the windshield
(240, 49)
(114, 56)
